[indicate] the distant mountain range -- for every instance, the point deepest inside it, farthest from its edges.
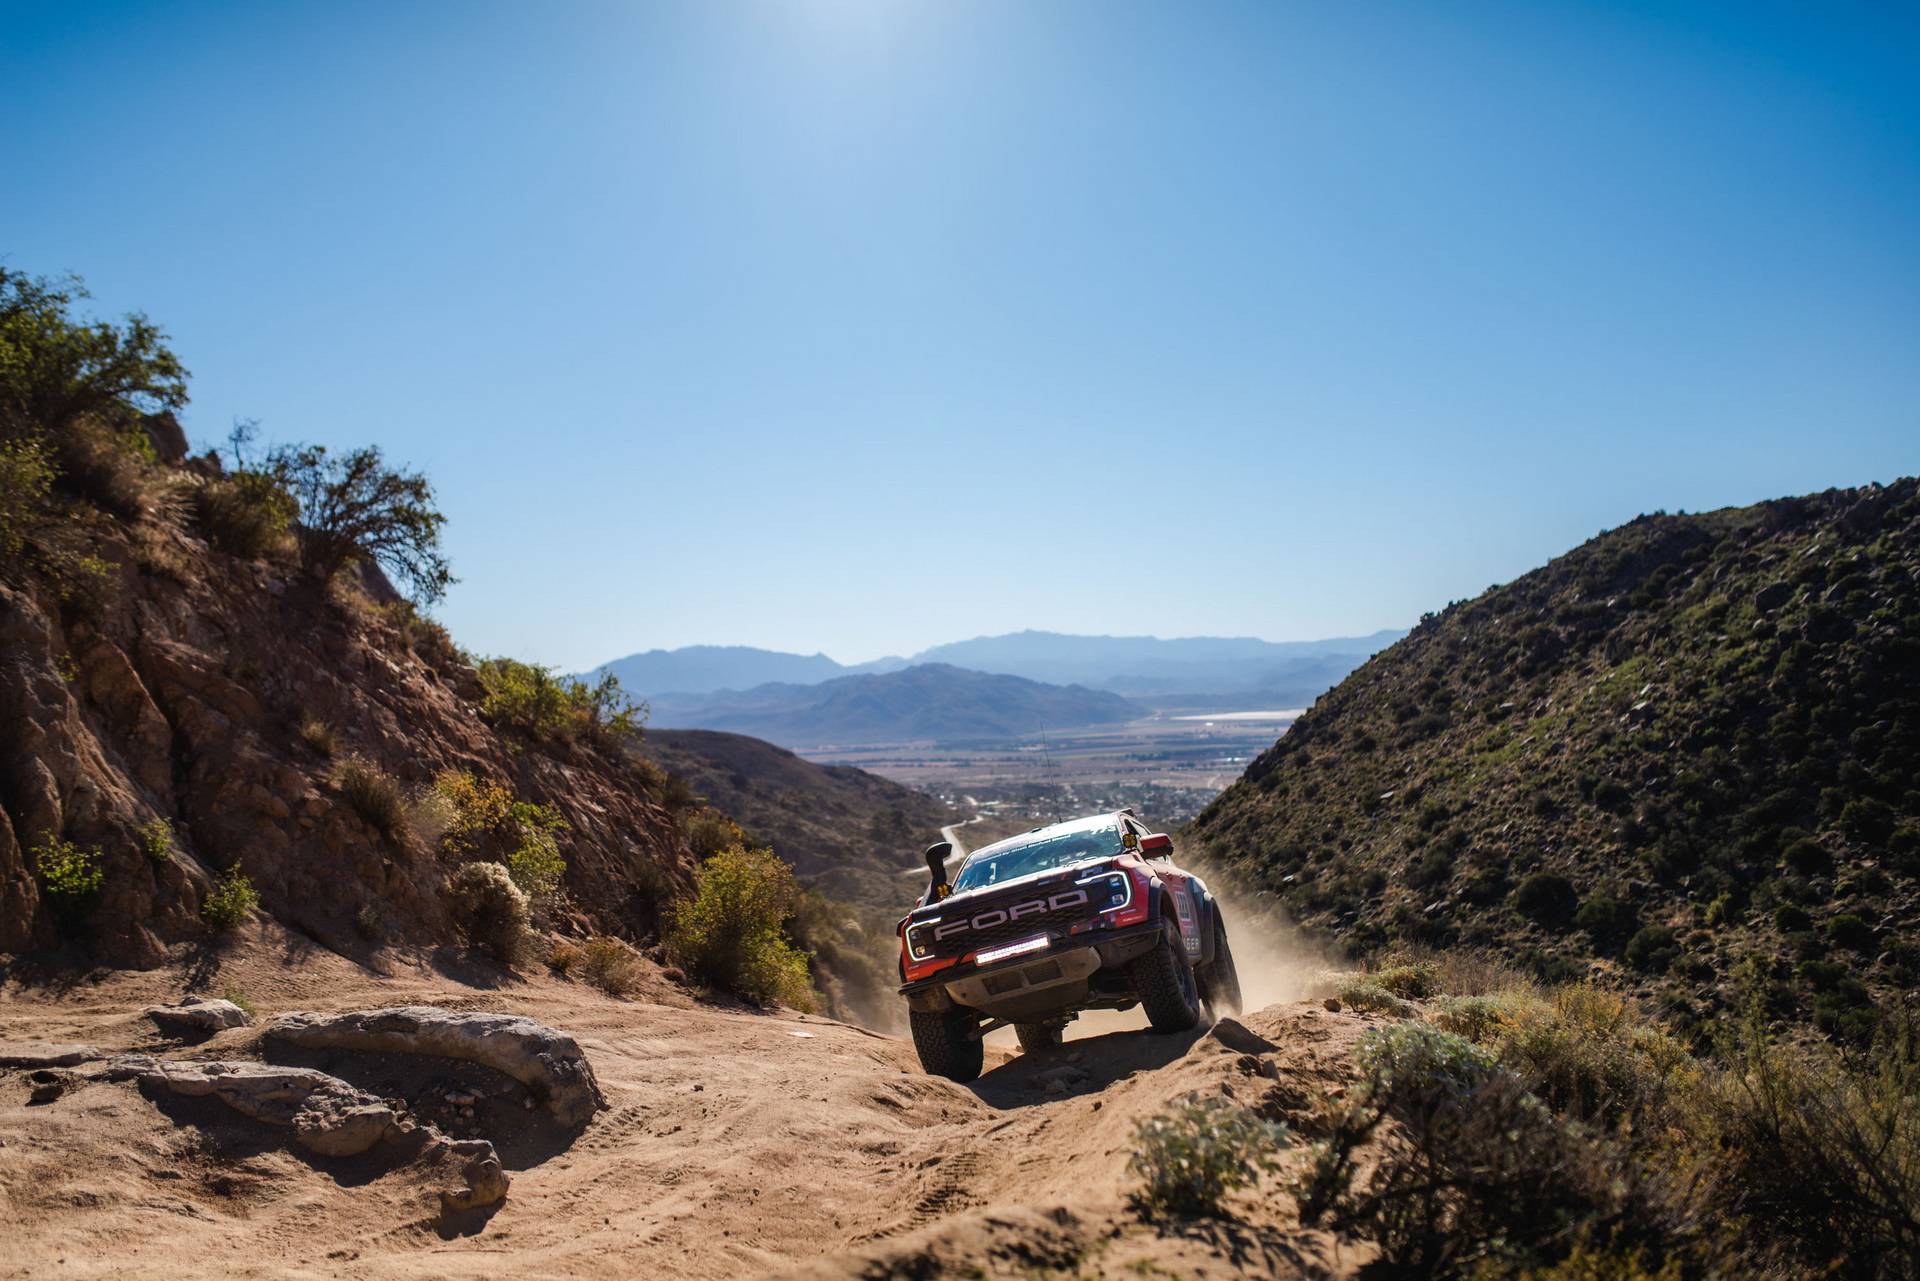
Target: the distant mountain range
(1185, 670)
(931, 701)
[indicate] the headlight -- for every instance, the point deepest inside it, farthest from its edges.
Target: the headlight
(1118, 887)
(914, 945)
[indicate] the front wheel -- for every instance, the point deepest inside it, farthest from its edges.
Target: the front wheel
(1167, 990)
(946, 1042)
(1223, 979)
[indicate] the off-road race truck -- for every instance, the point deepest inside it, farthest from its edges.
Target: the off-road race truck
(1086, 915)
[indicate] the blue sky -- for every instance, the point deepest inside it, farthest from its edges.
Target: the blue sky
(860, 326)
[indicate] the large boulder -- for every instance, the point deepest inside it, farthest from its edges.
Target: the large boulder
(546, 1061)
(197, 1016)
(328, 1116)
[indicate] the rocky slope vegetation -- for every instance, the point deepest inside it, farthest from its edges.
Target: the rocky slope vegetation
(848, 834)
(1685, 755)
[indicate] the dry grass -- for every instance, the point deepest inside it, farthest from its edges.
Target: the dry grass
(373, 794)
(609, 965)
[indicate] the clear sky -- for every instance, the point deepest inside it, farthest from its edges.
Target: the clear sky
(860, 326)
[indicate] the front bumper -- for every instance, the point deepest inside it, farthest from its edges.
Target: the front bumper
(1059, 974)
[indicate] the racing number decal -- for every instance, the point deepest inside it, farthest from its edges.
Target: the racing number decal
(1183, 910)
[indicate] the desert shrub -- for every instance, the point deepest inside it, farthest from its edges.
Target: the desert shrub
(156, 840)
(1791, 918)
(463, 809)
(229, 901)
(1414, 980)
(367, 923)
(1192, 1155)
(318, 735)
(1546, 899)
(238, 995)
(535, 861)
(709, 831)
(54, 369)
(26, 479)
(1866, 819)
(1652, 948)
(535, 702)
(1582, 1049)
(373, 794)
(70, 878)
(489, 910)
(1850, 931)
(246, 513)
(730, 932)
(1818, 1167)
(609, 965)
(564, 957)
(353, 505)
(1608, 920)
(1474, 1169)
(1365, 994)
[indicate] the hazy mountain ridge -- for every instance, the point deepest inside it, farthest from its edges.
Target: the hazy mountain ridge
(930, 701)
(1131, 665)
(1686, 753)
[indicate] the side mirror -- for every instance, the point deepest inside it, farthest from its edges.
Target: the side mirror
(937, 854)
(1159, 845)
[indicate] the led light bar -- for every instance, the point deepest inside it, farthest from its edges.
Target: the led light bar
(1038, 943)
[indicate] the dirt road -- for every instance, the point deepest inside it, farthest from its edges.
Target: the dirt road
(736, 1143)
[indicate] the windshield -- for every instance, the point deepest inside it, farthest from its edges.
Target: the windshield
(999, 863)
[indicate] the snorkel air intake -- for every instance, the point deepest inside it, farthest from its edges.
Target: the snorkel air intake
(937, 854)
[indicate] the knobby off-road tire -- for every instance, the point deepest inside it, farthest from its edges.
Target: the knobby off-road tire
(1167, 991)
(1222, 983)
(944, 1041)
(1038, 1036)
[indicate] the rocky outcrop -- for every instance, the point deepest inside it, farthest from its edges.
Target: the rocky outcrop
(548, 1062)
(197, 1016)
(327, 1116)
(175, 688)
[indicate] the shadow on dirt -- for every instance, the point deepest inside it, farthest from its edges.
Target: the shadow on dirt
(1080, 1067)
(463, 1100)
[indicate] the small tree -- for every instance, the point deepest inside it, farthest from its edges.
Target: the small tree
(353, 504)
(54, 369)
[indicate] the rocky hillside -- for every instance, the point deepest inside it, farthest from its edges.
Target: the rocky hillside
(177, 712)
(1685, 754)
(848, 834)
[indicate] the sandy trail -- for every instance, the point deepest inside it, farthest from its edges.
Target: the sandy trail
(736, 1143)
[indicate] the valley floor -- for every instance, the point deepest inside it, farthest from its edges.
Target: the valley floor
(735, 1143)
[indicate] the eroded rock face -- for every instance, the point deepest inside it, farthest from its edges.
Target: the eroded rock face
(327, 1116)
(195, 1016)
(179, 695)
(546, 1061)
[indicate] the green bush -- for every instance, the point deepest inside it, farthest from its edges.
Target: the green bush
(1414, 980)
(1652, 948)
(1609, 921)
(1475, 1170)
(156, 839)
(26, 480)
(1815, 1165)
(54, 369)
(1365, 994)
(534, 702)
(352, 505)
(373, 794)
(1192, 1155)
(1546, 899)
(70, 878)
(731, 932)
(709, 831)
(609, 965)
(228, 902)
(247, 514)
(535, 861)
(489, 910)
